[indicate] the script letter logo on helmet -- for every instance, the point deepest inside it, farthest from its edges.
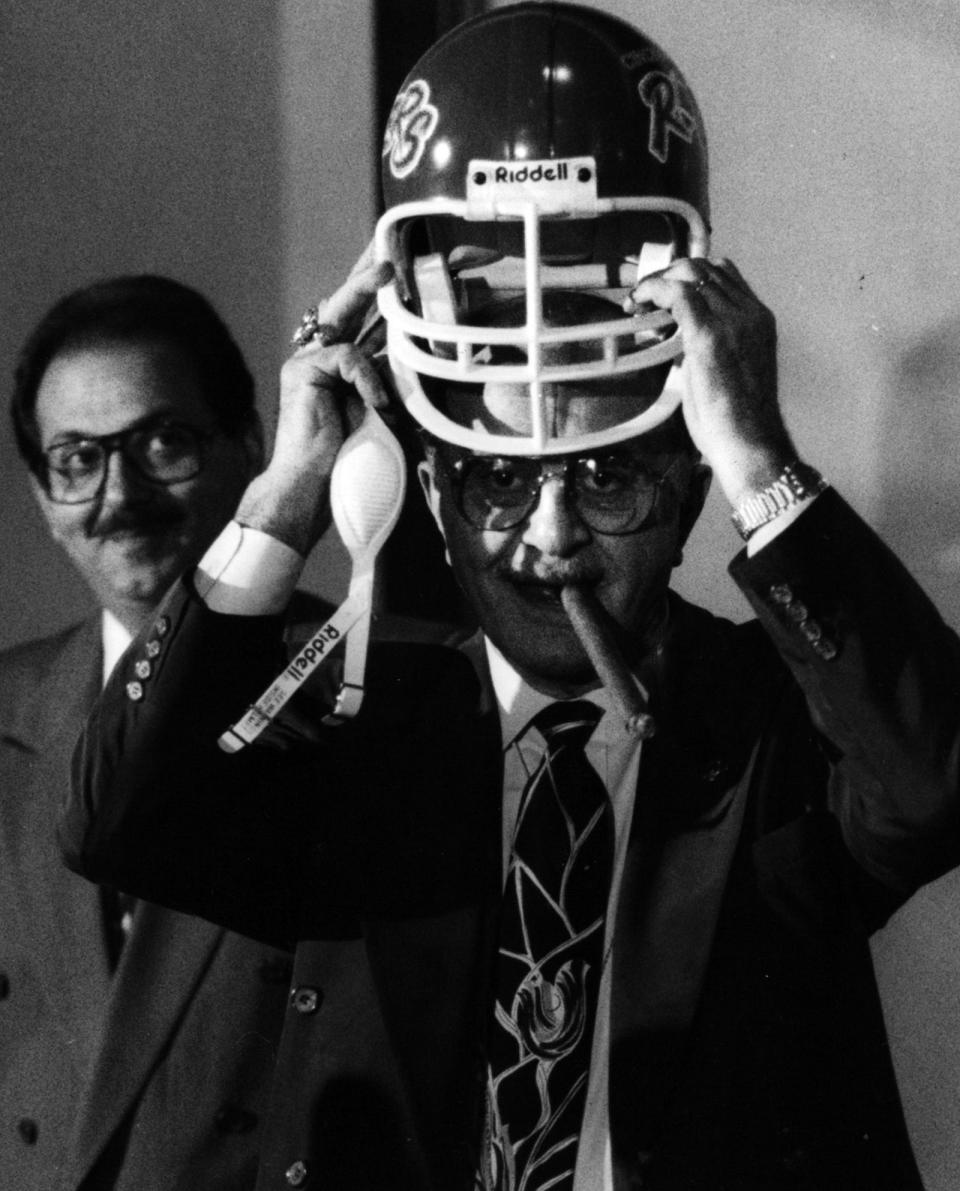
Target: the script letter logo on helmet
(661, 92)
(412, 121)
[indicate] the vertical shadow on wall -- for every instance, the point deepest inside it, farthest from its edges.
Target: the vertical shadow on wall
(415, 579)
(915, 956)
(918, 442)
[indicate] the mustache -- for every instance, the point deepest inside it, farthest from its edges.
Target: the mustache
(145, 522)
(567, 575)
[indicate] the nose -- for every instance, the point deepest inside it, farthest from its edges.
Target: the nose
(122, 483)
(554, 527)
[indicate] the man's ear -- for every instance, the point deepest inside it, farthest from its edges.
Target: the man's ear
(431, 492)
(692, 505)
(43, 503)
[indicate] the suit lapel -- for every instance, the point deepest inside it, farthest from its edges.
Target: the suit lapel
(431, 876)
(688, 817)
(61, 912)
(162, 963)
(122, 1024)
(55, 687)
(432, 973)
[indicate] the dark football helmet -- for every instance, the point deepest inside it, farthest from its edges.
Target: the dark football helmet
(536, 153)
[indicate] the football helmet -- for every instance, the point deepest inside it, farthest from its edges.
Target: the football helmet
(537, 153)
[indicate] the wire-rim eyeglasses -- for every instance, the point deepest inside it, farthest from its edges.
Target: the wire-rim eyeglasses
(612, 490)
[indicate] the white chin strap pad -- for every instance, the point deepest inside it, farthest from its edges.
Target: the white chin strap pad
(653, 258)
(367, 487)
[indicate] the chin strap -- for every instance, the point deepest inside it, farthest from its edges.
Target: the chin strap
(366, 495)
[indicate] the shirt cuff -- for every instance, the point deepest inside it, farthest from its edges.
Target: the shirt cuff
(248, 573)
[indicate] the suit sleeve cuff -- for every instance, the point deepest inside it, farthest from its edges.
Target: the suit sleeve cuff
(766, 533)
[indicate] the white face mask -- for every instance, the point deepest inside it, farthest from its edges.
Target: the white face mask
(444, 343)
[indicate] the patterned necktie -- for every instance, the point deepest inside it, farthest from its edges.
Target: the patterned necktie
(549, 963)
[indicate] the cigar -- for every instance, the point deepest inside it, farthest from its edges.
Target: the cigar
(591, 624)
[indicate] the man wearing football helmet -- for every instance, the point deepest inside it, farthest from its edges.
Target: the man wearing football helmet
(581, 901)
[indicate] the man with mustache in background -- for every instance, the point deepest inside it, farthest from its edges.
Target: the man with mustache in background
(135, 1043)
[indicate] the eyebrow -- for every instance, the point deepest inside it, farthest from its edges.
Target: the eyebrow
(68, 436)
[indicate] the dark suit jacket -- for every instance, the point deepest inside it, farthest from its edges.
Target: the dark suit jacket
(173, 1055)
(802, 783)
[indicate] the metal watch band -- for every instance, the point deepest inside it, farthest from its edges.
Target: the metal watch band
(795, 483)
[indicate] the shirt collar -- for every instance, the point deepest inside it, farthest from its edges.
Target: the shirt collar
(518, 702)
(115, 639)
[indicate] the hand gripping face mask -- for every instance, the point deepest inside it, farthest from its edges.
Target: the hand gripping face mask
(538, 162)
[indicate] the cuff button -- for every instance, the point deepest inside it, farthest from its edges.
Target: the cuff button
(797, 612)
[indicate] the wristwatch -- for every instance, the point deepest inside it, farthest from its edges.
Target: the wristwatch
(797, 482)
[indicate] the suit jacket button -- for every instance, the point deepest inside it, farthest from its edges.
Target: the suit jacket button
(797, 612)
(827, 649)
(135, 691)
(781, 593)
(296, 1174)
(28, 1130)
(152, 649)
(812, 631)
(305, 1000)
(162, 627)
(143, 669)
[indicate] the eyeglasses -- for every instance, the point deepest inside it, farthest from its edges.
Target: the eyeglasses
(612, 490)
(163, 453)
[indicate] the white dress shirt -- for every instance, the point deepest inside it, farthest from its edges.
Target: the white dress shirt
(114, 639)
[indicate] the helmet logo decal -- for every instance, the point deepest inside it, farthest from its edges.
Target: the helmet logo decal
(555, 184)
(661, 92)
(412, 121)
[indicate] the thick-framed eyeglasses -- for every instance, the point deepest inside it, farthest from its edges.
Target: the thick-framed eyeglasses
(612, 490)
(163, 453)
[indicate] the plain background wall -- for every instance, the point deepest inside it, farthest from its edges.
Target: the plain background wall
(834, 129)
(231, 145)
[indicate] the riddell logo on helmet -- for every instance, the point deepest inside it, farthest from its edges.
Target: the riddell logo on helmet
(551, 182)
(558, 172)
